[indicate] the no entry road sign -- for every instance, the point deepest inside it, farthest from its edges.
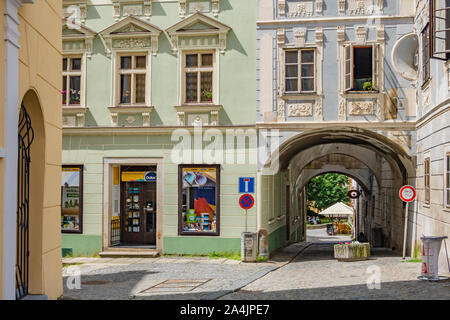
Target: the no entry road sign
(246, 201)
(407, 193)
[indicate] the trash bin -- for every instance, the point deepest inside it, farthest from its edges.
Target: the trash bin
(431, 246)
(249, 247)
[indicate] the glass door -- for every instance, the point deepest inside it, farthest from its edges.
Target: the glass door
(132, 213)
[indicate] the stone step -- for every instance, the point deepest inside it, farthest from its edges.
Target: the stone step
(136, 253)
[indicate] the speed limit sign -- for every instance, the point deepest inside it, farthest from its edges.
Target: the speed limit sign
(407, 193)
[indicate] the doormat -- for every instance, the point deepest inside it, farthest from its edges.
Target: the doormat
(174, 285)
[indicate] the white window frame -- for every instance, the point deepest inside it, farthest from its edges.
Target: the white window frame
(133, 72)
(299, 70)
(349, 59)
(117, 71)
(69, 73)
(185, 70)
(425, 177)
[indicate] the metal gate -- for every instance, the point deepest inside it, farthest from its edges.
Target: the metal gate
(26, 136)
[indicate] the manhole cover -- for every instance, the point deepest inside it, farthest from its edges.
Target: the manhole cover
(95, 282)
(174, 285)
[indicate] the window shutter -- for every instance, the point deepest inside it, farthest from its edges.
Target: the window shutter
(348, 67)
(376, 66)
(440, 29)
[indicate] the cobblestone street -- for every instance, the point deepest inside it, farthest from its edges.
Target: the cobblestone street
(300, 272)
(315, 275)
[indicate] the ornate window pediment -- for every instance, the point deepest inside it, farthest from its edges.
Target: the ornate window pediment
(124, 8)
(131, 33)
(77, 38)
(192, 6)
(198, 31)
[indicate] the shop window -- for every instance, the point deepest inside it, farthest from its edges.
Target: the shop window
(300, 70)
(199, 203)
(132, 79)
(439, 42)
(425, 37)
(198, 77)
(72, 199)
(72, 72)
(427, 178)
(447, 180)
(361, 68)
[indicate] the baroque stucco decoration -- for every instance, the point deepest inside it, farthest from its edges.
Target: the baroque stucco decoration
(361, 7)
(359, 108)
(131, 33)
(142, 8)
(209, 33)
(182, 5)
(299, 8)
(300, 110)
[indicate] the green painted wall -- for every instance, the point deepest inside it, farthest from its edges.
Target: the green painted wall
(237, 66)
(237, 95)
(277, 239)
(82, 244)
(200, 245)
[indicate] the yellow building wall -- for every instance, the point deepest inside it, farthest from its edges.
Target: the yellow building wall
(40, 57)
(2, 143)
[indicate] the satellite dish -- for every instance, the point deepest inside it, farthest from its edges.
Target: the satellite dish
(405, 56)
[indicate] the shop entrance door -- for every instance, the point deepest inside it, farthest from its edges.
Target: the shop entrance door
(138, 213)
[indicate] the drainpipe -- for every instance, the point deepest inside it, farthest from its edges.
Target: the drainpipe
(414, 230)
(258, 200)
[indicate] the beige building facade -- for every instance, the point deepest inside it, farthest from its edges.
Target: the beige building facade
(30, 149)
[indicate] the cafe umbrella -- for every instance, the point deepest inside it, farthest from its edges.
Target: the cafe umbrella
(337, 210)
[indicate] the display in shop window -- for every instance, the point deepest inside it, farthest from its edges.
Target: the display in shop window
(71, 199)
(199, 199)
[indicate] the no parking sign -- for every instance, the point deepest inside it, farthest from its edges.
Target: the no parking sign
(246, 201)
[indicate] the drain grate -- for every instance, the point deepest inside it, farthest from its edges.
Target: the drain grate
(95, 282)
(176, 285)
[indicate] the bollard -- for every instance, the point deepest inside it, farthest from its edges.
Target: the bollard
(431, 246)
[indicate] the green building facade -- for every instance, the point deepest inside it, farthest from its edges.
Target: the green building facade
(159, 124)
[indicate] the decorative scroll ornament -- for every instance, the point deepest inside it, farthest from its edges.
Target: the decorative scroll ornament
(361, 108)
(300, 110)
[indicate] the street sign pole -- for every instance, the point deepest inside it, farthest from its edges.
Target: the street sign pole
(406, 231)
(245, 220)
(407, 194)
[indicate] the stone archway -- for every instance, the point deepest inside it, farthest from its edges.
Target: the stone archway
(382, 166)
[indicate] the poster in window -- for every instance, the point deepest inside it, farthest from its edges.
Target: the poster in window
(199, 200)
(71, 201)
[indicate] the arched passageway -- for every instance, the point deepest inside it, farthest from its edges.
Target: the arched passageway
(31, 179)
(378, 164)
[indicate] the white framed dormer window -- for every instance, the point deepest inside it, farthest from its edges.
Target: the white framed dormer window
(300, 70)
(361, 68)
(132, 79)
(198, 77)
